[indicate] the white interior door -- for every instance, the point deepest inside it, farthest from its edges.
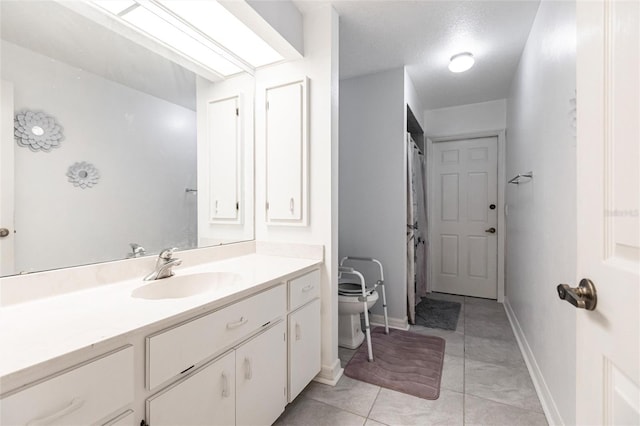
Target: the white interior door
(7, 180)
(464, 232)
(608, 88)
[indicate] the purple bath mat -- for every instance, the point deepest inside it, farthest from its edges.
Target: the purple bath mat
(402, 361)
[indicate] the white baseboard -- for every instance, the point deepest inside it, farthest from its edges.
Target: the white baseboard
(544, 394)
(329, 375)
(378, 320)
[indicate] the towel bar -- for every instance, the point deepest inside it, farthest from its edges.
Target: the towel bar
(516, 180)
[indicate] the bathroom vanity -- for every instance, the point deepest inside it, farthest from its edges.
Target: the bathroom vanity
(234, 353)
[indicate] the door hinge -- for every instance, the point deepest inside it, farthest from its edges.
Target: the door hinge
(267, 205)
(237, 111)
(267, 104)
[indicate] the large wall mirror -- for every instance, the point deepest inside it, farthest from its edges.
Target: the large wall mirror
(120, 135)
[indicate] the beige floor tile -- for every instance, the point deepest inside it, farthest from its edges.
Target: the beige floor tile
(453, 373)
(507, 385)
(395, 408)
(309, 412)
(351, 395)
(371, 422)
(478, 411)
(495, 351)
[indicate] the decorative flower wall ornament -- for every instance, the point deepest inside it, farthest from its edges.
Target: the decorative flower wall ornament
(37, 131)
(83, 174)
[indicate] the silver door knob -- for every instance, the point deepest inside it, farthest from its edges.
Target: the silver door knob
(490, 230)
(584, 296)
(4, 232)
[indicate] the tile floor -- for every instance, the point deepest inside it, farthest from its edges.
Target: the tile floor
(485, 382)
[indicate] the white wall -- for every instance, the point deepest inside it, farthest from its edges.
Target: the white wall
(373, 178)
(463, 119)
(412, 99)
(541, 221)
(320, 64)
(139, 143)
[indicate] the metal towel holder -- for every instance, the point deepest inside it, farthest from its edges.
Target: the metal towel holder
(516, 180)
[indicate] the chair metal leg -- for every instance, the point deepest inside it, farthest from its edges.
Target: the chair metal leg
(367, 329)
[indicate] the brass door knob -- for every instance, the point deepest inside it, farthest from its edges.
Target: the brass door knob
(490, 230)
(4, 232)
(584, 296)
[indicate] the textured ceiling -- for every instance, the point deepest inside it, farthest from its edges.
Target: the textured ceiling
(423, 35)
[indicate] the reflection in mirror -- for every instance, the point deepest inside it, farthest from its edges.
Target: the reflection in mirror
(135, 111)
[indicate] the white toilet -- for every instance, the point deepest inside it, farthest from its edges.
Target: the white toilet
(350, 306)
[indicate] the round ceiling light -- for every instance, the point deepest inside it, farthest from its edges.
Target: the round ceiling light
(461, 62)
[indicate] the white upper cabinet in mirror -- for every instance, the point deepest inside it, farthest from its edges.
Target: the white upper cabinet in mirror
(126, 92)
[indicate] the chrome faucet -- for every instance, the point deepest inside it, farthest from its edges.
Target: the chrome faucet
(164, 265)
(136, 250)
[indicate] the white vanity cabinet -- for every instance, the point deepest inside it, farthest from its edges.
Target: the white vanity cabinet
(304, 332)
(247, 385)
(206, 397)
(225, 165)
(261, 374)
(83, 395)
(287, 153)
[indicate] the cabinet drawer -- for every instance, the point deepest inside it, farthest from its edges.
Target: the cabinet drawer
(171, 352)
(127, 418)
(80, 396)
(304, 289)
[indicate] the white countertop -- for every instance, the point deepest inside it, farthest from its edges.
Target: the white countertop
(35, 332)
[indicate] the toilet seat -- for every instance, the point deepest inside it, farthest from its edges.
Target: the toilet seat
(353, 289)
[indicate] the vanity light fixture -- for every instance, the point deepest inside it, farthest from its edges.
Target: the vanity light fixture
(461, 62)
(203, 31)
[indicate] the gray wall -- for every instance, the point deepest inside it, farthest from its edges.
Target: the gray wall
(372, 203)
(541, 221)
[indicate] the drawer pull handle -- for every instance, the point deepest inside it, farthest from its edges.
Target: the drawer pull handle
(225, 385)
(298, 332)
(307, 288)
(241, 321)
(248, 372)
(74, 405)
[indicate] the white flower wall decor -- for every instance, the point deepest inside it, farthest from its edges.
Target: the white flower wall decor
(83, 174)
(37, 131)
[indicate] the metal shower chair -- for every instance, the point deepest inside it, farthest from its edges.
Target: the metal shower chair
(342, 269)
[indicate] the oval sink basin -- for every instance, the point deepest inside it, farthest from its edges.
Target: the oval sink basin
(180, 286)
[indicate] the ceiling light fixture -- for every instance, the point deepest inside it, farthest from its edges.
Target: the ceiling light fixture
(461, 62)
(202, 31)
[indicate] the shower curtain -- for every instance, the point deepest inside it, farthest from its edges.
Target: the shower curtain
(416, 228)
(411, 230)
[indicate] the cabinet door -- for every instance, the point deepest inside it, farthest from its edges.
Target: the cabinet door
(304, 347)
(286, 145)
(204, 398)
(261, 378)
(224, 159)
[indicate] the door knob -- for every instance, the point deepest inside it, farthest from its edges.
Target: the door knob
(4, 232)
(491, 230)
(584, 296)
